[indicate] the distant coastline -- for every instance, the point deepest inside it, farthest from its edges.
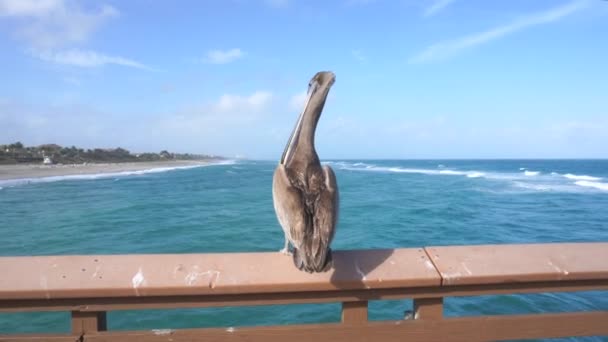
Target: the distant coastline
(49, 154)
(20, 162)
(33, 171)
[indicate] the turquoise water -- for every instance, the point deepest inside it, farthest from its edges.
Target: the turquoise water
(384, 204)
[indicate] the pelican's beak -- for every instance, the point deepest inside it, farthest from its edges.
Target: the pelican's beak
(292, 142)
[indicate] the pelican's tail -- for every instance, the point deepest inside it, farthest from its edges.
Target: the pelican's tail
(321, 262)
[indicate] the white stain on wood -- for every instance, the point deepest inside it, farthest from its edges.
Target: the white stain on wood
(193, 277)
(44, 285)
(138, 280)
(450, 278)
(95, 273)
(162, 332)
(361, 274)
(466, 268)
(557, 268)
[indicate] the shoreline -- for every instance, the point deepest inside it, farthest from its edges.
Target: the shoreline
(15, 172)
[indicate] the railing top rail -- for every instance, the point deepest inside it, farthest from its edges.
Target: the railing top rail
(97, 276)
(57, 277)
(495, 264)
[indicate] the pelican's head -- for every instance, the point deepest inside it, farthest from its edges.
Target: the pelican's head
(318, 89)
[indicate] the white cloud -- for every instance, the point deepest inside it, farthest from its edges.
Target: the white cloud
(437, 6)
(296, 102)
(50, 26)
(223, 57)
(446, 49)
(47, 24)
(226, 125)
(86, 59)
(28, 7)
(255, 102)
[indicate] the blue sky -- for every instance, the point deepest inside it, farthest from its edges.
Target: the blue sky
(414, 78)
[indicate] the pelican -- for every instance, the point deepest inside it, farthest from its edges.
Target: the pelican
(305, 194)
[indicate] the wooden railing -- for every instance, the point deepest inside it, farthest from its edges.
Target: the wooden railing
(89, 286)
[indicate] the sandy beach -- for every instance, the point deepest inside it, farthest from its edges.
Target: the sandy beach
(28, 171)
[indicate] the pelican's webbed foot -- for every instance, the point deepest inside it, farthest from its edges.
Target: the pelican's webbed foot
(285, 249)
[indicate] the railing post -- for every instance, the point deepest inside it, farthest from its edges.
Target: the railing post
(85, 322)
(354, 312)
(428, 308)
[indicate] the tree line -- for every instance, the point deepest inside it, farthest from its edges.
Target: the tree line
(16, 153)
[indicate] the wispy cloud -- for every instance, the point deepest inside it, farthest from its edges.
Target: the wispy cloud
(296, 102)
(437, 6)
(358, 55)
(52, 23)
(28, 7)
(50, 27)
(256, 101)
(86, 59)
(447, 49)
(223, 56)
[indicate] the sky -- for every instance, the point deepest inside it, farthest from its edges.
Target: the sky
(414, 78)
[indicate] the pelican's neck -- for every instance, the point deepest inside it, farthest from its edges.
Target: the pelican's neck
(306, 134)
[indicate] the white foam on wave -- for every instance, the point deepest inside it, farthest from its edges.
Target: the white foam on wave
(475, 174)
(581, 177)
(550, 187)
(534, 186)
(527, 181)
(368, 167)
(404, 170)
(595, 185)
(452, 173)
(92, 176)
(522, 168)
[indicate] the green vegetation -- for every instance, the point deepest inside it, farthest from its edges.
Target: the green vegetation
(18, 153)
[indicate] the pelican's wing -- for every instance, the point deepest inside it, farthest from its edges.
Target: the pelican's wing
(289, 207)
(325, 216)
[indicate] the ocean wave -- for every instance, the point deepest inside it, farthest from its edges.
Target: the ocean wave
(527, 180)
(550, 187)
(475, 174)
(589, 184)
(368, 167)
(536, 186)
(93, 176)
(582, 177)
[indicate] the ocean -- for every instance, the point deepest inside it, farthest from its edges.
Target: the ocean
(384, 204)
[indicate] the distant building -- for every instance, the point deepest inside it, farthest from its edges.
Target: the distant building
(47, 161)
